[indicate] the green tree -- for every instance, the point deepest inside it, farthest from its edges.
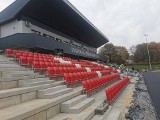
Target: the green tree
(108, 51)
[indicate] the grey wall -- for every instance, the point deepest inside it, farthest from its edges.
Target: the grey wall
(31, 40)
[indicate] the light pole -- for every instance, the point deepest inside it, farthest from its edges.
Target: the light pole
(149, 58)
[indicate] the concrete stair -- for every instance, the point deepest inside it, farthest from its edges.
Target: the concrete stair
(38, 109)
(9, 65)
(102, 117)
(34, 82)
(77, 104)
(54, 92)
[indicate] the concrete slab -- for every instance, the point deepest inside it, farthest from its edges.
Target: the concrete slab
(55, 94)
(53, 89)
(102, 117)
(72, 102)
(9, 101)
(24, 83)
(17, 91)
(114, 115)
(40, 83)
(81, 106)
(31, 108)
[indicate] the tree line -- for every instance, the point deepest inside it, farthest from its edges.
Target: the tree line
(136, 53)
(139, 53)
(114, 54)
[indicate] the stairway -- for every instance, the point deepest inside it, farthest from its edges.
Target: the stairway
(53, 92)
(35, 82)
(77, 104)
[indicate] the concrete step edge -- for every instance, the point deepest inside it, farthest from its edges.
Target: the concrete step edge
(73, 101)
(53, 89)
(81, 106)
(55, 94)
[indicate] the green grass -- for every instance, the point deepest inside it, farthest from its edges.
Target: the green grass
(140, 67)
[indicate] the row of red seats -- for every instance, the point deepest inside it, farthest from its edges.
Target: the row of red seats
(93, 84)
(109, 68)
(96, 69)
(105, 72)
(115, 89)
(29, 60)
(57, 71)
(72, 78)
(10, 52)
(42, 61)
(48, 62)
(18, 53)
(39, 65)
(114, 71)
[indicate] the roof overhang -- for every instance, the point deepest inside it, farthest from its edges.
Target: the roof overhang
(58, 14)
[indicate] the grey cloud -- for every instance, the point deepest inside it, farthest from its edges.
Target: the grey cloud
(124, 22)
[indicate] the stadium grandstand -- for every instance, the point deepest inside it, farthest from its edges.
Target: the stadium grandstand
(49, 27)
(49, 68)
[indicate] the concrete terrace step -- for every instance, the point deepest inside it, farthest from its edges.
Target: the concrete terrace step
(53, 89)
(2, 65)
(114, 115)
(17, 74)
(102, 117)
(32, 109)
(18, 91)
(33, 82)
(15, 69)
(5, 61)
(87, 113)
(81, 106)
(72, 102)
(40, 83)
(20, 95)
(55, 94)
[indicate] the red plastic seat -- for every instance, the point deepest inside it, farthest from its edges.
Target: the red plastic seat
(86, 87)
(65, 70)
(73, 81)
(48, 64)
(30, 55)
(9, 52)
(18, 55)
(14, 52)
(35, 58)
(36, 66)
(67, 78)
(25, 55)
(61, 70)
(23, 60)
(43, 65)
(30, 60)
(92, 83)
(80, 77)
(77, 78)
(56, 71)
(50, 72)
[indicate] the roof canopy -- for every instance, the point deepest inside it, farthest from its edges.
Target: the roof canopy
(58, 14)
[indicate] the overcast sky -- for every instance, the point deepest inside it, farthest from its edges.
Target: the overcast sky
(124, 22)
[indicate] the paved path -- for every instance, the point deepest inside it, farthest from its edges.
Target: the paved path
(152, 80)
